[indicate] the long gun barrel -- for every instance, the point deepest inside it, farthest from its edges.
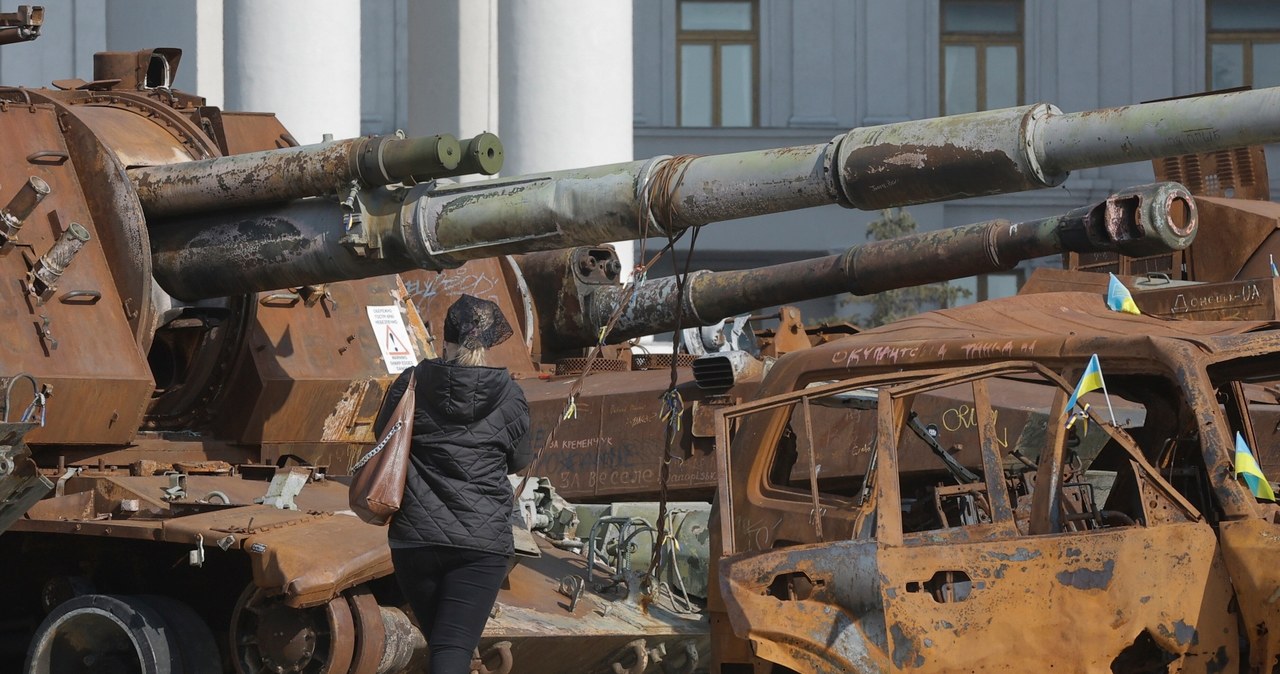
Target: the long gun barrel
(433, 227)
(1146, 220)
(272, 176)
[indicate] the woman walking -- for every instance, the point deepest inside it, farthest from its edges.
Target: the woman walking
(451, 541)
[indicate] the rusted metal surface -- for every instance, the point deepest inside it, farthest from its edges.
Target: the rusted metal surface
(297, 580)
(607, 448)
(269, 634)
(597, 634)
(790, 335)
(1249, 548)
(315, 370)
(137, 70)
(564, 286)
(287, 562)
(253, 178)
(607, 445)
(1251, 300)
(937, 594)
(247, 131)
(706, 189)
(497, 280)
(1240, 247)
(370, 629)
(100, 377)
(1238, 172)
(121, 229)
(1025, 148)
(1243, 240)
(1239, 239)
(138, 130)
(1094, 600)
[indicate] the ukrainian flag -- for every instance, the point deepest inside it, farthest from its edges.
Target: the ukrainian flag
(1247, 467)
(1091, 380)
(1119, 299)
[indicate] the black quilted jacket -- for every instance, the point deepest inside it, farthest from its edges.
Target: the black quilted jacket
(470, 428)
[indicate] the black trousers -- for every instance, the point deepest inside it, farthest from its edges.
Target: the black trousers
(451, 591)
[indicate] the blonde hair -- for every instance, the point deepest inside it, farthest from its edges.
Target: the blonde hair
(461, 355)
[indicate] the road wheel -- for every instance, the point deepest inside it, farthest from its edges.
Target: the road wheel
(268, 635)
(103, 634)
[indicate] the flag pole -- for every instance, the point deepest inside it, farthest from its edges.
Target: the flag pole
(1106, 395)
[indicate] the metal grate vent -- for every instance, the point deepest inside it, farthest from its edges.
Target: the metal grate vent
(713, 372)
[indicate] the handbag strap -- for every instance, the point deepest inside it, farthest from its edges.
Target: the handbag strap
(395, 428)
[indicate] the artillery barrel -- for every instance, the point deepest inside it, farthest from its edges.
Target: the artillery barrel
(910, 162)
(273, 176)
(1139, 221)
(22, 25)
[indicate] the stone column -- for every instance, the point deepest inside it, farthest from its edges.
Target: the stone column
(194, 26)
(452, 76)
(565, 76)
(299, 59)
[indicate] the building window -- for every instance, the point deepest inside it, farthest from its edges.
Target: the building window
(1243, 43)
(718, 42)
(981, 55)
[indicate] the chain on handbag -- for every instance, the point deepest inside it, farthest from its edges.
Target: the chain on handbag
(378, 447)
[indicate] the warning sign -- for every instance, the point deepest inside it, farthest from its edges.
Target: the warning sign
(393, 338)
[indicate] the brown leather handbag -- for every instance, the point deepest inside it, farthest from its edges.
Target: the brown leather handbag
(377, 479)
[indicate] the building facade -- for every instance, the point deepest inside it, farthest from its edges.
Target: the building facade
(579, 82)
(802, 71)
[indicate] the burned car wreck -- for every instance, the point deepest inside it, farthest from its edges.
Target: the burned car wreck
(1144, 553)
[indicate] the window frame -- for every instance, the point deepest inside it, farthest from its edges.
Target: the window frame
(880, 515)
(717, 40)
(1245, 38)
(981, 41)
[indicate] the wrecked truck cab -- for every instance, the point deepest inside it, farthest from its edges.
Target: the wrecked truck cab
(1122, 543)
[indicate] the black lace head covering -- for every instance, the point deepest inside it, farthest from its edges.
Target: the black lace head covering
(475, 323)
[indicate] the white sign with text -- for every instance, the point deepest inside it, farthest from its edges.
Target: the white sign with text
(393, 338)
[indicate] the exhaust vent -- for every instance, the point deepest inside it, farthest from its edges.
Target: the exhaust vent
(723, 370)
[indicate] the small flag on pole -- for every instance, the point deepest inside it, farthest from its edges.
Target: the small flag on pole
(1247, 467)
(1091, 380)
(1274, 272)
(1119, 299)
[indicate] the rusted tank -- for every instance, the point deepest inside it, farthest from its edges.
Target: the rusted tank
(203, 330)
(1149, 555)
